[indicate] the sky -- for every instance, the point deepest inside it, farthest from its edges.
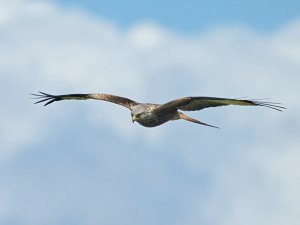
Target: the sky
(76, 163)
(193, 15)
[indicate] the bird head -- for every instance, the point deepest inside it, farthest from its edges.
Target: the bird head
(137, 112)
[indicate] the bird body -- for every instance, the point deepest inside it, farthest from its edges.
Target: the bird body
(144, 115)
(152, 115)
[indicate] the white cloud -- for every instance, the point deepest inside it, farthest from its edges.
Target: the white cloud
(147, 36)
(251, 163)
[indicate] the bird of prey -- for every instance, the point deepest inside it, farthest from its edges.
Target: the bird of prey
(152, 115)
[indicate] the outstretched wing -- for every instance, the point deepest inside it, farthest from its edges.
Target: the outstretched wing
(198, 103)
(48, 99)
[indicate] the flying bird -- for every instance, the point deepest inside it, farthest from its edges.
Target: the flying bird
(152, 115)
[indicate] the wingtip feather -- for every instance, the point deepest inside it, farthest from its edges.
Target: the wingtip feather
(44, 97)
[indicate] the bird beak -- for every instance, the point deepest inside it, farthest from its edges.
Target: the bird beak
(133, 119)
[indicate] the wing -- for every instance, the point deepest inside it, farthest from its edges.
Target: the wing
(48, 99)
(198, 103)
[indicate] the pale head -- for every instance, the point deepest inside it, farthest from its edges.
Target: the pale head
(137, 111)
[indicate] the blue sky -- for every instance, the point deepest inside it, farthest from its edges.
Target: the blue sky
(193, 16)
(86, 163)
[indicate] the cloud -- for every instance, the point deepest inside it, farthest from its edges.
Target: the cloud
(86, 163)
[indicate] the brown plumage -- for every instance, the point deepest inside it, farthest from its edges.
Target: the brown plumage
(152, 115)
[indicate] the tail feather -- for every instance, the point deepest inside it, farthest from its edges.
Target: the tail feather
(185, 117)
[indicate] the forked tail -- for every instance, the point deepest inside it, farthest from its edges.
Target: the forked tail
(185, 117)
